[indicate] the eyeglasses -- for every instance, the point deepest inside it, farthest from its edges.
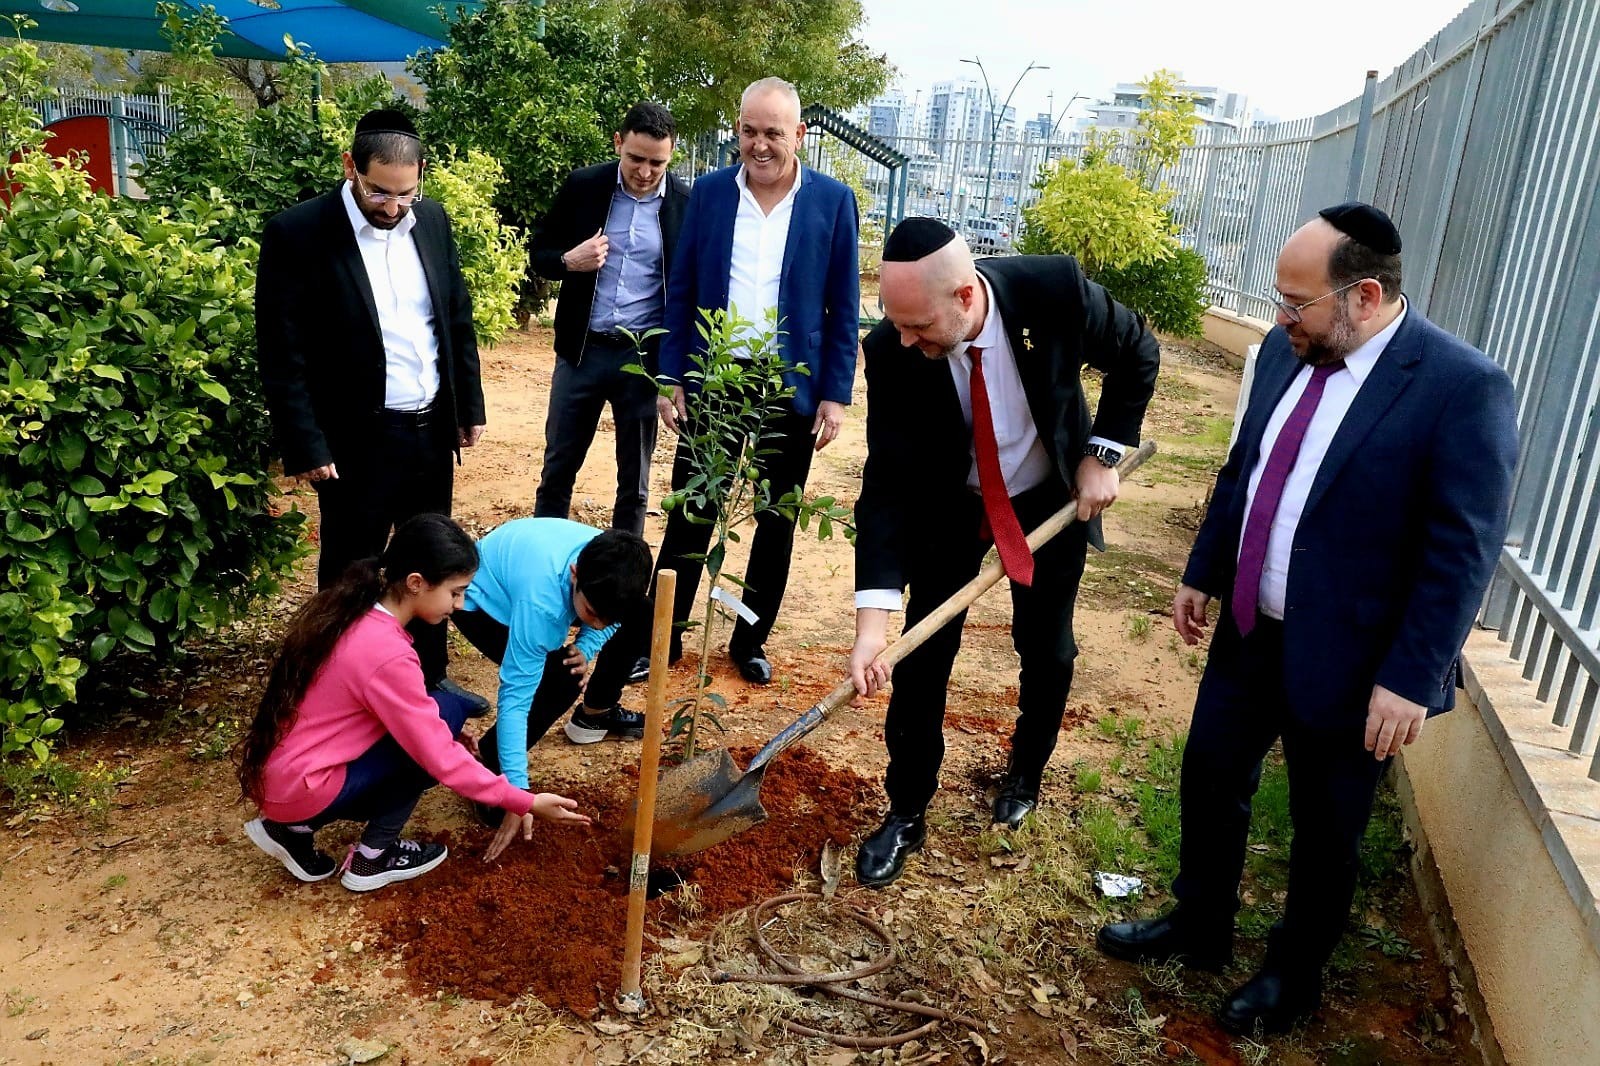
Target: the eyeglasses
(380, 198)
(1292, 311)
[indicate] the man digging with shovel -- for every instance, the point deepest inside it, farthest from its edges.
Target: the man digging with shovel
(977, 430)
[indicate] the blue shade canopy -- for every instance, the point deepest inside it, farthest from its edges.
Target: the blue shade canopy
(336, 31)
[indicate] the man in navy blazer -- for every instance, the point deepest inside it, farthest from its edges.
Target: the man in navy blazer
(727, 254)
(1350, 538)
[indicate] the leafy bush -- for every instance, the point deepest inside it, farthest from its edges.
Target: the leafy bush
(1170, 293)
(133, 444)
(1100, 214)
(493, 256)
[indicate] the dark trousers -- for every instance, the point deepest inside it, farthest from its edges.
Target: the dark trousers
(407, 470)
(382, 786)
(786, 465)
(557, 691)
(1041, 631)
(1242, 707)
(578, 395)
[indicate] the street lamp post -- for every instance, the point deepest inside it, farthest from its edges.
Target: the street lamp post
(994, 120)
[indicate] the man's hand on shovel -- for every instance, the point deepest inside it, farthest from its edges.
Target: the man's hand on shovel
(872, 635)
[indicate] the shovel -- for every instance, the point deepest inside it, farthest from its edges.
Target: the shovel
(707, 799)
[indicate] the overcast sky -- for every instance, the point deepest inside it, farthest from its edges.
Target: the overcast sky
(1291, 59)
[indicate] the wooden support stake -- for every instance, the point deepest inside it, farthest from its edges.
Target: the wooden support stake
(629, 997)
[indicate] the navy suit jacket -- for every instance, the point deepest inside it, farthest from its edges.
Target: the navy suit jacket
(819, 296)
(1400, 533)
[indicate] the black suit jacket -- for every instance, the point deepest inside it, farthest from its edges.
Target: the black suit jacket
(579, 211)
(317, 334)
(918, 444)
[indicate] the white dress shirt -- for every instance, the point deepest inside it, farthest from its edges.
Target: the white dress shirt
(405, 310)
(1024, 461)
(1339, 392)
(759, 240)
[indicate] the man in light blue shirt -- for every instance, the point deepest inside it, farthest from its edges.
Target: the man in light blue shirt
(538, 579)
(608, 238)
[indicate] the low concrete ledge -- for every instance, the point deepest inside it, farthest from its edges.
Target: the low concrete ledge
(1233, 333)
(1508, 818)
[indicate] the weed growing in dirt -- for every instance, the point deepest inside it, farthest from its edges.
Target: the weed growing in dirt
(1111, 841)
(17, 1003)
(1124, 730)
(1087, 781)
(1139, 628)
(37, 790)
(114, 882)
(1138, 1042)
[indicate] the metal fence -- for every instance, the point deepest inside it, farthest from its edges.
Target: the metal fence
(1485, 148)
(139, 125)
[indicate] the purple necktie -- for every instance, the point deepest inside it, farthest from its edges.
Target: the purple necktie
(1269, 491)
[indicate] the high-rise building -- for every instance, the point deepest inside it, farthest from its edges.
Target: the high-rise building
(1214, 106)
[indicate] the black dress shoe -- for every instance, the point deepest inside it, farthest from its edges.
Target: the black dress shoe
(1271, 1001)
(1160, 939)
(1018, 796)
(882, 856)
(752, 664)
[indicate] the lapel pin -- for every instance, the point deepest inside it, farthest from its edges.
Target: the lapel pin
(1027, 341)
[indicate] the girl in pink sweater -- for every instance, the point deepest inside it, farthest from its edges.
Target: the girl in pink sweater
(347, 730)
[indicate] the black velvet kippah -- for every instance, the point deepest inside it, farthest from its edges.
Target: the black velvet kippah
(1364, 224)
(916, 237)
(386, 120)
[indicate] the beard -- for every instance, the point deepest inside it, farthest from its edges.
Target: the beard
(1339, 341)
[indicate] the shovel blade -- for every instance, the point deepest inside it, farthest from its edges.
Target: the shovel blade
(704, 801)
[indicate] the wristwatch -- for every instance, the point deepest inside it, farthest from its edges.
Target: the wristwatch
(1107, 457)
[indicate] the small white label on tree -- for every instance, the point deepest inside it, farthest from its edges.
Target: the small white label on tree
(722, 595)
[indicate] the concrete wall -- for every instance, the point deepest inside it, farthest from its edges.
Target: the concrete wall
(1480, 784)
(1233, 333)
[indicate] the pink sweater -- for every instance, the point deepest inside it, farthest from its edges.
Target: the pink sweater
(370, 686)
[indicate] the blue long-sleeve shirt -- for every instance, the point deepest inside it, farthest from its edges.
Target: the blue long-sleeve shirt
(524, 582)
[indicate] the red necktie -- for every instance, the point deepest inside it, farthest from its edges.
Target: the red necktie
(997, 510)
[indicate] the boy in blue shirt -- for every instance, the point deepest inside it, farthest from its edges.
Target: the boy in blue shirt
(538, 578)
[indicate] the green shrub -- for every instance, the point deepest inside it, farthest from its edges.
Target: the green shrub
(493, 256)
(134, 440)
(1100, 214)
(1170, 293)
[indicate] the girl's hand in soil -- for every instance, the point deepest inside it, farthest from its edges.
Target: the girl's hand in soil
(470, 742)
(508, 831)
(674, 410)
(554, 808)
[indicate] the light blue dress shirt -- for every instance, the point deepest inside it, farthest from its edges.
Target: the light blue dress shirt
(629, 292)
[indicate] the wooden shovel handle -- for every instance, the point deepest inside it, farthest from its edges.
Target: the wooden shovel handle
(987, 578)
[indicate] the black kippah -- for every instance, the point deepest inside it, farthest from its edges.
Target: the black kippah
(1364, 224)
(386, 120)
(914, 238)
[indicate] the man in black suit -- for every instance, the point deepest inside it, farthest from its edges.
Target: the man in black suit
(978, 430)
(608, 239)
(1350, 538)
(368, 358)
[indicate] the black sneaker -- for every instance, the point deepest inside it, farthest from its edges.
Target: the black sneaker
(640, 671)
(297, 851)
(477, 706)
(403, 860)
(591, 729)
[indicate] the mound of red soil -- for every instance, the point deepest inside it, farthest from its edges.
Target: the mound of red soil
(548, 917)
